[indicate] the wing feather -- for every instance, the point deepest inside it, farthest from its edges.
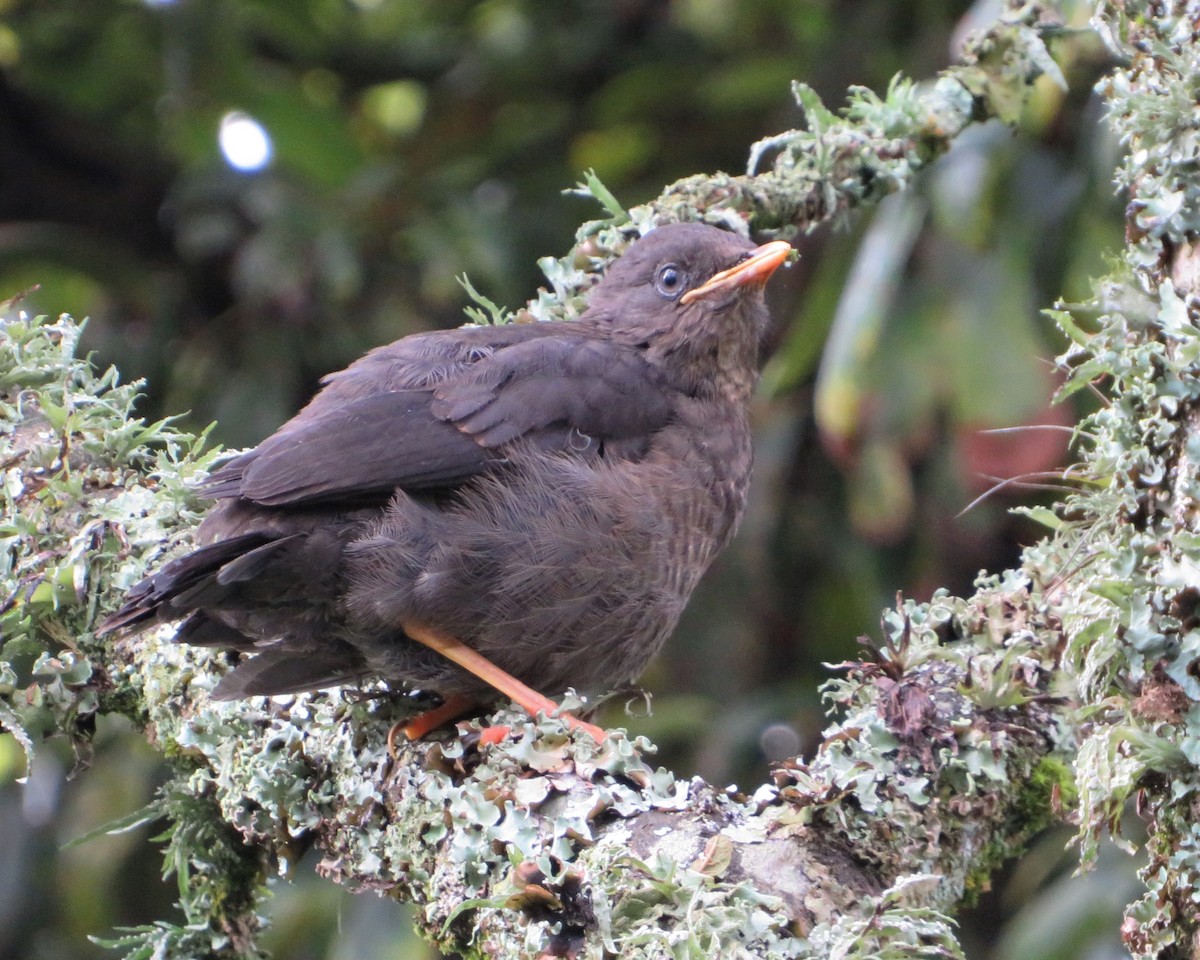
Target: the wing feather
(362, 438)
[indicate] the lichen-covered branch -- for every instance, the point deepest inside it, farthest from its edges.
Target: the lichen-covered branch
(943, 764)
(956, 741)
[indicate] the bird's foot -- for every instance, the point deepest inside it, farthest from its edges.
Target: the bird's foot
(496, 733)
(425, 723)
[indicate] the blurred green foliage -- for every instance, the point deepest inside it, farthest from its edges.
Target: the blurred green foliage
(416, 140)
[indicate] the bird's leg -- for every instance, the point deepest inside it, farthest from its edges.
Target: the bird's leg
(474, 662)
(453, 707)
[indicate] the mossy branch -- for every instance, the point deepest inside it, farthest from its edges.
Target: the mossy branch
(962, 736)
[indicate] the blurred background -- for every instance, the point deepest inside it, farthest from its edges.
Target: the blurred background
(245, 195)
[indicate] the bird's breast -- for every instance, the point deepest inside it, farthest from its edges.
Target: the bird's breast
(697, 474)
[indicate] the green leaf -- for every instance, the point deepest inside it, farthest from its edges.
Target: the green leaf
(820, 117)
(55, 414)
(11, 723)
(495, 314)
(148, 814)
(1043, 515)
(473, 904)
(593, 187)
(1067, 324)
(844, 381)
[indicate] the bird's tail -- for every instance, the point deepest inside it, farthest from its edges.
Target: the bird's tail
(173, 590)
(216, 591)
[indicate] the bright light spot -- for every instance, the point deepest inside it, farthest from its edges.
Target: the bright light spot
(10, 47)
(244, 142)
(398, 107)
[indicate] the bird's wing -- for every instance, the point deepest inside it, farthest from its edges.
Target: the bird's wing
(362, 449)
(600, 390)
(557, 392)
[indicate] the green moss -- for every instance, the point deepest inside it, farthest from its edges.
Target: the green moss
(1049, 789)
(1038, 802)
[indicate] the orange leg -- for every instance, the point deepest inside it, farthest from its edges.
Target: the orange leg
(476, 663)
(425, 723)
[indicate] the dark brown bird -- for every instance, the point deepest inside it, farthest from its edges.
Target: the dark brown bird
(532, 502)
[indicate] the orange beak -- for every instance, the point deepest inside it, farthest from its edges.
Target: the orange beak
(755, 269)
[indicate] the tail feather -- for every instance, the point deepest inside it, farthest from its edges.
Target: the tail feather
(253, 562)
(157, 598)
(268, 594)
(225, 482)
(201, 630)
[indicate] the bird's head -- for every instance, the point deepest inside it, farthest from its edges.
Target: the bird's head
(691, 296)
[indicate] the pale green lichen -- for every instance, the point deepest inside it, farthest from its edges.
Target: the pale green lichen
(92, 494)
(918, 741)
(900, 926)
(1130, 603)
(77, 466)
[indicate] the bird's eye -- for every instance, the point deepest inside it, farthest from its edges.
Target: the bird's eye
(669, 281)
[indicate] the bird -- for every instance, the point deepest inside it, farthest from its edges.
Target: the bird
(508, 509)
